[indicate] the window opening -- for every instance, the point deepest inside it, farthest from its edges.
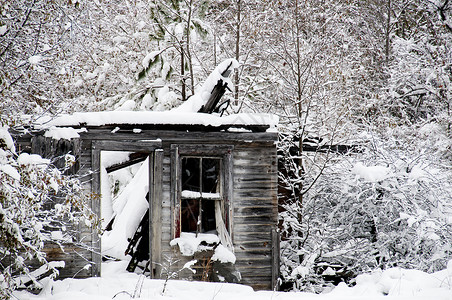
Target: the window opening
(201, 194)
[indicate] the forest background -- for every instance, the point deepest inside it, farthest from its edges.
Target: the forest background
(374, 76)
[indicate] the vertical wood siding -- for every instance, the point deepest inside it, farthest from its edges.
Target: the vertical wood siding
(254, 212)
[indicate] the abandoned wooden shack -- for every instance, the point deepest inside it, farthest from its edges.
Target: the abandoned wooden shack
(207, 174)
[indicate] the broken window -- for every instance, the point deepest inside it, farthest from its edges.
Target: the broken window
(201, 204)
(202, 190)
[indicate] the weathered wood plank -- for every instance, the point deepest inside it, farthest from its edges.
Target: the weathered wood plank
(256, 210)
(255, 221)
(251, 202)
(275, 253)
(156, 221)
(245, 246)
(249, 268)
(239, 178)
(254, 258)
(255, 170)
(256, 185)
(127, 145)
(256, 228)
(258, 248)
(95, 208)
(75, 259)
(250, 239)
(182, 136)
(254, 195)
(241, 161)
(257, 151)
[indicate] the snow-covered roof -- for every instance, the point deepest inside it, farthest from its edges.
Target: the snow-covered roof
(157, 118)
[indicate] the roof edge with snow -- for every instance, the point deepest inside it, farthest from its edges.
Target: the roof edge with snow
(115, 118)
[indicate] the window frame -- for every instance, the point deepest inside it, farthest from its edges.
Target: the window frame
(222, 152)
(201, 197)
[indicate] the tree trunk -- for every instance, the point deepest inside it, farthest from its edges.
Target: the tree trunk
(388, 30)
(237, 52)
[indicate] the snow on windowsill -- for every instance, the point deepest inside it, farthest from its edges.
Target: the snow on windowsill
(189, 243)
(197, 195)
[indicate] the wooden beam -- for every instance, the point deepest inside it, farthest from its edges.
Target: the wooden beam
(156, 214)
(134, 158)
(275, 258)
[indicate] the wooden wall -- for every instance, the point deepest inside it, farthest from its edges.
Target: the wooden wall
(254, 212)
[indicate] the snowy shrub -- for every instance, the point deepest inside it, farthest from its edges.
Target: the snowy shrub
(381, 208)
(34, 198)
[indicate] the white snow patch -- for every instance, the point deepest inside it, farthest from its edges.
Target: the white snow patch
(156, 117)
(147, 102)
(129, 207)
(32, 159)
(110, 158)
(196, 195)
(19, 280)
(189, 265)
(128, 105)
(148, 58)
(60, 236)
(141, 25)
(410, 219)
(67, 133)
(372, 173)
(10, 171)
(222, 254)
(417, 173)
(7, 139)
(189, 242)
(430, 129)
(106, 201)
(200, 98)
(3, 29)
(394, 284)
(329, 272)
(398, 283)
(120, 39)
(78, 83)
(35, 59)
(301, 271)
(235, 129)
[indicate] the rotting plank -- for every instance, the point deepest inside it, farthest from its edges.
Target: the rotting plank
(245, 246)
(256, 228)
(183, 137)
(275, 256)
(241, 160)
(255, 221)
(269, 184)
(253, 195)
(255, 210)
(251, 202)
(252, 236)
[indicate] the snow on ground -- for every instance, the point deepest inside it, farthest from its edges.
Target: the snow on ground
(116, 283)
